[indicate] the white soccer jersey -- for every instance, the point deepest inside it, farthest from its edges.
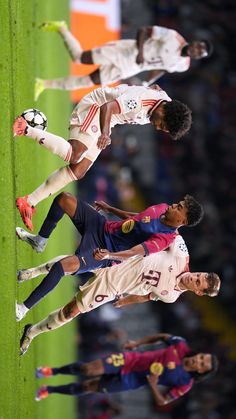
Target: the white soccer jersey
(162, 51)
(155, 275)
(135, 103)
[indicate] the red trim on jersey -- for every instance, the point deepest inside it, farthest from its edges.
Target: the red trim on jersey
(156, 106)
(149, 102)
(91, 114)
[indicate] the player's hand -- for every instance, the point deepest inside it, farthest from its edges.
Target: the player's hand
(100, 254)
(120, 302)
(152, 379)
(102, 206)
(103, 141)
(130, 344)
(140, 58)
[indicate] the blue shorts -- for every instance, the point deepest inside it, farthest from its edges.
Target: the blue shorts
(115, 383)
(90, 224)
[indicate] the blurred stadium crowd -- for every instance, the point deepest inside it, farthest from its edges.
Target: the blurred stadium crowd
(142, 168)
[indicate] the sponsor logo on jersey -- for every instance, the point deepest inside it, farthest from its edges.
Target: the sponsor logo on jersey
(127, 226)
(94, 128)
(170, 268)
(132, 104)
(171, 365)
(156, 368)
(164, 292)
(146, 219)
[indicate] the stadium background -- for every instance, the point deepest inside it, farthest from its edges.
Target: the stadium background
(140, 168)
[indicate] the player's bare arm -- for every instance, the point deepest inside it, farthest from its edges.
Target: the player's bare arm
(100, 254)
(142, 35)
(130, 299)
(106, 112)
(101, 205)
(147, 340)
(160, 398)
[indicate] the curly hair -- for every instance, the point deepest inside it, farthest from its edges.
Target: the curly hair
(213, 282)
(177, 118)
(195, 211)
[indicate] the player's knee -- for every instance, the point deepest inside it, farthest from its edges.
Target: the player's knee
(85, 369)
(69, 311)
(65, 200)
(78, 150)
(79, 170)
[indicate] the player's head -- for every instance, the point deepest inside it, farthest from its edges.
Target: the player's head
(199, 49)
(195, 211)
(173, 117)
(201, 283)
(187, 212)
(201, 366)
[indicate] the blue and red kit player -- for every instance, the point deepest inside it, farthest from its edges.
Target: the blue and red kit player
(172, 366)
(148, 232)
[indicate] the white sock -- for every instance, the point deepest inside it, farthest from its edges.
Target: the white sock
(72, 44)
(69, 83)
(56, 181)
(57, 145)
(55, 320)
(23, 309)
(44, 268)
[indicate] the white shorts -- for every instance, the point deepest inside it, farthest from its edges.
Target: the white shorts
(86, 132)
(96, 292)
(117, 60)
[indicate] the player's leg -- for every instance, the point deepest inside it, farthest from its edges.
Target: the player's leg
(72, 44)
(89, 369)
(55, 320)
(70, 264)
(72, 389)
(30, 273)
(64, 203)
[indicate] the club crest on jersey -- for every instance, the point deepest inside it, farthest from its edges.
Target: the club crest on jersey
(132, 104)
(94, 128)
(156, 368)
(146, 219)
(164, 292)
(171, 365)
(127, 226)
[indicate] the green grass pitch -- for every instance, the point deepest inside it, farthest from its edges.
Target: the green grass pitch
(26, 52)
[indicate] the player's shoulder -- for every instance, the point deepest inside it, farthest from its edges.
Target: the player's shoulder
(178, 247)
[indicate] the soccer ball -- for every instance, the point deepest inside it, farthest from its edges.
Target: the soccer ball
(35, 118)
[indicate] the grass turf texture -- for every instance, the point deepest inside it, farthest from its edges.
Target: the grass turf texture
(26, 52)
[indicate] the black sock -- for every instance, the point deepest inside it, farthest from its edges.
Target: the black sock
(49, 282)
(70, 369)
(54, 215)
(73, 389)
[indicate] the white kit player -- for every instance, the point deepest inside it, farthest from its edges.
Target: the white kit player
(160, 276)
(155, 48)
(90, 128)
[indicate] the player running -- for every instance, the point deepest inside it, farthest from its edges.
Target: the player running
(89, 133)
(139, 234)
(175, 367)
(155, 48)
